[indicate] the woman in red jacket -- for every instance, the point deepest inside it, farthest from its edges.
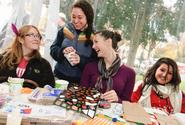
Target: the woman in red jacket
(160, 88)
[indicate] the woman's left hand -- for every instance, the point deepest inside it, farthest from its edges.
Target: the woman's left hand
(110, 96)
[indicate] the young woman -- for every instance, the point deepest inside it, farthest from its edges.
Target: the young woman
(160, 88)
(74, 41)
(23, 60)
(114, 80)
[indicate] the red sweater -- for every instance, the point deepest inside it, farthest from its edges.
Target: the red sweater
(157, 101)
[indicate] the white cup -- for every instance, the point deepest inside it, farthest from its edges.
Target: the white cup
(61, 84)
(15, 85)
(68, 57)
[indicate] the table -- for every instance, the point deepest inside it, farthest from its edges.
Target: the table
(42, 120)
(58, 119)
(116, 109)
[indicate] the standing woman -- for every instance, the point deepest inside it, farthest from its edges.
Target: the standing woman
(23, 60)
(114, 80)
(74, 41)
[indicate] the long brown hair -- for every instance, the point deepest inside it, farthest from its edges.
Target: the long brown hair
(89, 13)
(13, 54)
(149, 78)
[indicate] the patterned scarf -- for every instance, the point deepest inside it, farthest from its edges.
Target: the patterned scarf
(107, 74)
(166, 91)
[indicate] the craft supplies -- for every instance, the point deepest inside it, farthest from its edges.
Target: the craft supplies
(103, 120)
(79, 99)
(45, 96)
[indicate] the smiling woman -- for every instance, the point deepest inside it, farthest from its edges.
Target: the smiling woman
(161, 88)
(22, 59)
(114, 80)
(74, 39)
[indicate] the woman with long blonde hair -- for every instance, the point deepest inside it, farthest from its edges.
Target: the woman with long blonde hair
(23, 60)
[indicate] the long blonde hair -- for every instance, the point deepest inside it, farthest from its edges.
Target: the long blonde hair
(13, 54)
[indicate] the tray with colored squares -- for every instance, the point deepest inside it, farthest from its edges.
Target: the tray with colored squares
(81, 99)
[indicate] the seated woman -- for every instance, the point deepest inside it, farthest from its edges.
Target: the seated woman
(114, 80)
(160, 88)
(23, 60)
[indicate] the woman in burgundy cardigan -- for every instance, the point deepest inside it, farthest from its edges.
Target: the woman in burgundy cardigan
(160, 88)
(114, 80)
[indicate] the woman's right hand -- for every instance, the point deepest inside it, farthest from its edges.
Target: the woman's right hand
(110, 96)
(71, 55)
(69, 50)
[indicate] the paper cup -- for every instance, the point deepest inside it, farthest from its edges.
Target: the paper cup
(68, 57)
(15, 85)
(61, 84)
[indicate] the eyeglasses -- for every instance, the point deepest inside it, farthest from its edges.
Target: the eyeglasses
(38, 37)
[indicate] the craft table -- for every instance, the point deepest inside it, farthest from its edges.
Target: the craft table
(66, 117)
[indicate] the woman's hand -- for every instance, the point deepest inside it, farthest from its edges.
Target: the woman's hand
(110, 96)
(75, 59)
(69, 50)
(72, 56)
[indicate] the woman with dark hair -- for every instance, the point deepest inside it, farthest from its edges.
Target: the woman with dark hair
(72, 48)
(23, 60)
(113, 80)
(160, 87)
